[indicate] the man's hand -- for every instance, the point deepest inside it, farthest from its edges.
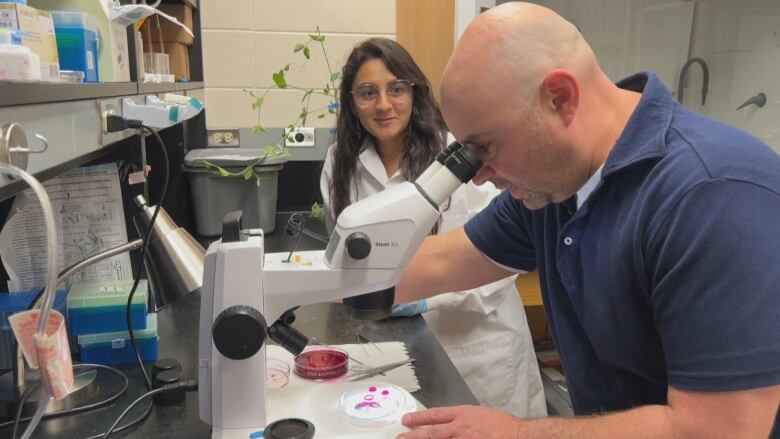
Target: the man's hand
(465, 421)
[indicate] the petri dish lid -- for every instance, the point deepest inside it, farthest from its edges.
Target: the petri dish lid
(289, 428)
(375, 405)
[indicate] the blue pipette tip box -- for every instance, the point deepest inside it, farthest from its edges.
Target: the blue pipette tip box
(99, 307)
(116, 348)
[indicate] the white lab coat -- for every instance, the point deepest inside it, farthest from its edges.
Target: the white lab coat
(484, 330)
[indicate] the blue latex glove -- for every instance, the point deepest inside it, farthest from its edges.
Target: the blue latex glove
(409, 309)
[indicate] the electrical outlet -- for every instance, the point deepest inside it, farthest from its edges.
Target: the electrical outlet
(301, 137)
(224, 138)
(108, 107)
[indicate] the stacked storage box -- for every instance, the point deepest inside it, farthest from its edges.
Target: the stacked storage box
(176, 41)
(37, 34)
(97, 318)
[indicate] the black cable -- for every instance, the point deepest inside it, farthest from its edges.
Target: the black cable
(186, 385)
(18, 419)
(130, 424)
(141, 265)
(295, 225)
(22, 400)
(144, 249)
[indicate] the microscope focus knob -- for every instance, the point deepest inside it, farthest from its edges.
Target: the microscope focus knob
(239, 332)
(358, 245)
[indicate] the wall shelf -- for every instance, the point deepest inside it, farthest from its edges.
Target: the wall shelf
(69, 115)
(39, 93)
(183, 86)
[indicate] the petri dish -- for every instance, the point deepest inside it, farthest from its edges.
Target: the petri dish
(375, 405)
(321, 363)
(277, 373)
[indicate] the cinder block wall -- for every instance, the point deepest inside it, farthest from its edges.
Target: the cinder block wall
(245, 41)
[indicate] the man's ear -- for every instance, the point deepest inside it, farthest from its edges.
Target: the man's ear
(561, 90)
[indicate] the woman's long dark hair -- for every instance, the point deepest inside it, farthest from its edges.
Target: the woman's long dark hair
(426, 133)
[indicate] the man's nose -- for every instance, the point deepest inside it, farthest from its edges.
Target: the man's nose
(484, 174)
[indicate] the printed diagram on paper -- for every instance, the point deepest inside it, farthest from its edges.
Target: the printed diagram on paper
(90, 217)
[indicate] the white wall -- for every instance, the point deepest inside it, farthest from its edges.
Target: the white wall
(245, 41)
(739, 40)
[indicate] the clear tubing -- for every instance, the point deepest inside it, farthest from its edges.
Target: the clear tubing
(51, 273)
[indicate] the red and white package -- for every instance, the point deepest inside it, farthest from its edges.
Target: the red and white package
(49, 352)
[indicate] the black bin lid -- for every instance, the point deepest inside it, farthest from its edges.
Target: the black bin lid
(231, 157)
(290, 428)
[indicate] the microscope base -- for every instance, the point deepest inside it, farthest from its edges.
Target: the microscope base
(318, 404)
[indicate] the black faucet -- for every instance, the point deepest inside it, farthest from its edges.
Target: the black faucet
(684, 73)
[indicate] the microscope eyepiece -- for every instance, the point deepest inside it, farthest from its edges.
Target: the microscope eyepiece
(463, 163)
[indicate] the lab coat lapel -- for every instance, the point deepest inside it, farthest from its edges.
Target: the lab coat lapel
(375, 169)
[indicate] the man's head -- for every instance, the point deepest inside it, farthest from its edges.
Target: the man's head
(514, 92)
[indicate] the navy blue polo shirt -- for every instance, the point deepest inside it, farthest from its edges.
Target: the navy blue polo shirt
(669, 273)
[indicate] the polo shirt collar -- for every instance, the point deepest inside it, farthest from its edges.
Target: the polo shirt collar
(644, 135)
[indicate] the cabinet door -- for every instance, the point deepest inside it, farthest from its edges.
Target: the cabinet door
(427, 30)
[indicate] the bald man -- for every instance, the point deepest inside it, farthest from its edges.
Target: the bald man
(656, 233)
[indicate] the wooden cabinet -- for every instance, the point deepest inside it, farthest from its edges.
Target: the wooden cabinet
(427, 30)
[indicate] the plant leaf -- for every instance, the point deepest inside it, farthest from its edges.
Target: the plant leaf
(286, 67)
(306, 52)
(335, 75)
(279, 79)
(316, 211)
(298, 48)
(319, 38)
(257, 103)
(269, 150)
(320, 116)
(215, 168)
(258, 128)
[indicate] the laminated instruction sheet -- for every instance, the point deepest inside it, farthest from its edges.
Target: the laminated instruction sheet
(90, 218)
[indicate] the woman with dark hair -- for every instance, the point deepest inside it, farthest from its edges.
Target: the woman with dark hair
(389, 130)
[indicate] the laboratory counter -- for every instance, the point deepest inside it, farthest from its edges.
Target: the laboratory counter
(440, 383)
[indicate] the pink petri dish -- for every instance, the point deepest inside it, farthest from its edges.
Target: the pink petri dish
(321, 363)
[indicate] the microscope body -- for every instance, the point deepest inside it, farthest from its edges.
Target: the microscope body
(243, 288)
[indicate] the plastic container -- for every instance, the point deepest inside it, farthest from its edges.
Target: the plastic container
(277, 373)
(77, 43)
(95, 308)
(115, 347)
(17, 63)
(321, 363)
(11, 303)
(214, 195)
(71, 76)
